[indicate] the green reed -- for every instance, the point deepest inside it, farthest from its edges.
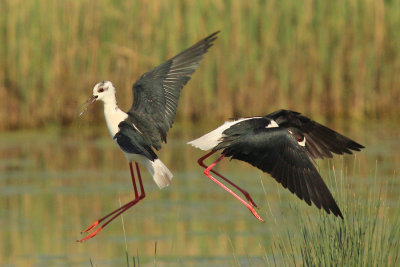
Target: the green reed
(335, 58)
(368, 235)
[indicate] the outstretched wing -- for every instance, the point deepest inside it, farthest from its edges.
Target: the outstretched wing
(321, 140)
(156, 93)
(275, 151)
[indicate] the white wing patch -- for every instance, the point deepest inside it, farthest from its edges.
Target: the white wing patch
(303, 143)
(272, 124)
(213, 138)
(136, 128)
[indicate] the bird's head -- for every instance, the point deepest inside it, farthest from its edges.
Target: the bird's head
(104, 91)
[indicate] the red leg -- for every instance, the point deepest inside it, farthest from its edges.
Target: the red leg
(120, 210)
(133, 179)
(142, 193)
(244, 192)
(207, 173)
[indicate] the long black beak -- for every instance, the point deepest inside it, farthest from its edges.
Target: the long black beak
(91, 100)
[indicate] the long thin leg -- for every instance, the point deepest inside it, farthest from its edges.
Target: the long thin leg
(142, 193)
(133, 179)
(207, 173)
(121, 209)
(244, 192)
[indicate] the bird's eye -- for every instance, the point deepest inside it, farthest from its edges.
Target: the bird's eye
(100, 90)
(299, 139)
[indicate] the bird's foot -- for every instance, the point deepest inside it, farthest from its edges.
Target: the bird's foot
(91, 235)
(249, 199)
(255, 214)
(91, 227)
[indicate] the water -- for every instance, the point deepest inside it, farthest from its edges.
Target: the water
(55, 183)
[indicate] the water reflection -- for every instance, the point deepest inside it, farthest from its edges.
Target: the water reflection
(54, 184)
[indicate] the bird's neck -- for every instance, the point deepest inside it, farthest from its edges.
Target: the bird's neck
(113, 116)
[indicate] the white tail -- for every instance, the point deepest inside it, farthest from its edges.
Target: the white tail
(161, 175)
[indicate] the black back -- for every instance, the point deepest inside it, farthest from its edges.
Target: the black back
(156, 93)
(277, 151)
(132, 141)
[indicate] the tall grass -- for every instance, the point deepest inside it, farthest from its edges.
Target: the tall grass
(320, 57)
(368, 235)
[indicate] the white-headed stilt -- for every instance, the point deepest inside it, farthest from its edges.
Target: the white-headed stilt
(282, 144)
(144, 127)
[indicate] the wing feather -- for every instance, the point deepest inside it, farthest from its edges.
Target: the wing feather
(275, 151)
(321, 141)
(156, 92)
(132, 141)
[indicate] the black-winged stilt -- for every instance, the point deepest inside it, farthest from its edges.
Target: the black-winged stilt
(146, 124)
(281, 144)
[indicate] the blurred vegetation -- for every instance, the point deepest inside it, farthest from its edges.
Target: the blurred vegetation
(326, 58)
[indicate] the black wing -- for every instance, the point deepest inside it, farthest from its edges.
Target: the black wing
(156, 93)
(275, 151)
(132, 141)
(320, 140)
